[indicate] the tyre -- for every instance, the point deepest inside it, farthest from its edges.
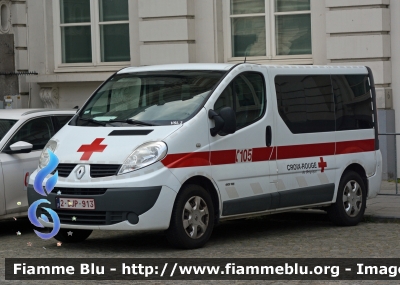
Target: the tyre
(192, 218)
(350, 201)
(72, 235)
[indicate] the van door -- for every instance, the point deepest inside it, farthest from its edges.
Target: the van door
(306, 139)
(240, 162)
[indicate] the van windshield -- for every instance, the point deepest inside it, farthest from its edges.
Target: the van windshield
(149, 98)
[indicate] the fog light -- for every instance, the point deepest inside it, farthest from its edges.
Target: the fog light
(133, 218)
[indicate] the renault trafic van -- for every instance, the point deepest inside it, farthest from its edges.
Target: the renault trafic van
(181, 147)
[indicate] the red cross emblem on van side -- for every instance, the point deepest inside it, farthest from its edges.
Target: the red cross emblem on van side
(322, 164)
(89, 149)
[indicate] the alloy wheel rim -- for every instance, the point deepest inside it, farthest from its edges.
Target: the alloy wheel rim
(195, 217)
(352, 198)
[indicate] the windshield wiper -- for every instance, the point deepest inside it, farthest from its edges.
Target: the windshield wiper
(132, 122)
(93, 121)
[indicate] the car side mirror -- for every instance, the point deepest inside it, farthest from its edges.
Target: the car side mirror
(20, 147)
(225, 121)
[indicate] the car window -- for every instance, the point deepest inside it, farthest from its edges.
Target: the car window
(5, 126)
(306, 103)
(36, 132)
(61, 121)
(246, 96)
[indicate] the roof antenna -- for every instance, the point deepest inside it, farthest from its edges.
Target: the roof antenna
(245, 56)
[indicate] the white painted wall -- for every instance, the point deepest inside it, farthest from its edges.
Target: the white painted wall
(358, 20)
(76, 94)
(318, 30)
(395, 34)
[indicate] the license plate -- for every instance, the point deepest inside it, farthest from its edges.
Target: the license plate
(73, 204)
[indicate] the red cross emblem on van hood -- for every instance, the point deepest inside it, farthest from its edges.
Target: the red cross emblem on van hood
(89, 149)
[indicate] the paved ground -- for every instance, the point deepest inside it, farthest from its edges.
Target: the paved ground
(386, 205)
(301, 234)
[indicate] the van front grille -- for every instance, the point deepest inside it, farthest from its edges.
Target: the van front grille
(96, 170)
(80, 191)
(64, 169)
(103, 170)
(90, 218)
(87, 218)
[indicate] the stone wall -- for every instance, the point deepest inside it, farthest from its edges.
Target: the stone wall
(8, 83)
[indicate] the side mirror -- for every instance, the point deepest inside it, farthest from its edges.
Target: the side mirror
(225, 121)
(21, 147)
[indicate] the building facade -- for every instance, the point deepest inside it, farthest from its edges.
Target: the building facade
(74, 45)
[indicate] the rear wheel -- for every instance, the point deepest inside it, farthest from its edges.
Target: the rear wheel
(192, 218)
(350, 201)
(72, 235)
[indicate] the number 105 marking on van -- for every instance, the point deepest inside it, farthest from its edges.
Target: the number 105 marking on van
(244, 155)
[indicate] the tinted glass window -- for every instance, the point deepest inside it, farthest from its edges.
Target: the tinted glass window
(36, 132)
(353, 102)
(5, 126)
(62, 120)
(306, 103)
(246, 96)
(159, 98)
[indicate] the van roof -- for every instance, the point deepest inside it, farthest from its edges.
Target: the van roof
(183, 66)
(225, 66)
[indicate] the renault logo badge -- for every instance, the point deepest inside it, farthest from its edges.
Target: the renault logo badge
(80, 172)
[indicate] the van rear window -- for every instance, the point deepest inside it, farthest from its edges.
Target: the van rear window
(324, 103)
(306, 103)
(353, 102)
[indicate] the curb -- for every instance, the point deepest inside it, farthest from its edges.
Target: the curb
(381, 219)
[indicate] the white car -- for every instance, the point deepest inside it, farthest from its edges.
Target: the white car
(23, 134)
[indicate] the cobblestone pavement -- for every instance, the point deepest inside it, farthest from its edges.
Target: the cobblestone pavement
(301, 234)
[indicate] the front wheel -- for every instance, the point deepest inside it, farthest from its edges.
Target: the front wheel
(350, 201)
(72, 235)
(192, 218)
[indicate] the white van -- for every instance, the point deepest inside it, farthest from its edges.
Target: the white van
(182, 147)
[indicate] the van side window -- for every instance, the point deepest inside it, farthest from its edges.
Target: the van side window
(306, 103)
(353, 102)
(246, 96)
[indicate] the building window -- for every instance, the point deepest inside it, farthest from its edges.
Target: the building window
(4, 17)
(270, 28)
(94, 31)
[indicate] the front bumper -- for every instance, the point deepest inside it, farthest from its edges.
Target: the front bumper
(133, 208)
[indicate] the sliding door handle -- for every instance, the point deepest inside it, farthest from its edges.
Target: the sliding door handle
(268, 136)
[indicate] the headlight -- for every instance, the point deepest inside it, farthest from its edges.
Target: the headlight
(44, 157)
(143, 156)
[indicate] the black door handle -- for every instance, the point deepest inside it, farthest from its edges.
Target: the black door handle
(268, 136)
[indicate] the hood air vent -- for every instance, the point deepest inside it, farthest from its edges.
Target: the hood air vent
(130, 133)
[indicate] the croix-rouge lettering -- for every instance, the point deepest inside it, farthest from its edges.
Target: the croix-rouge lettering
(301, 166)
